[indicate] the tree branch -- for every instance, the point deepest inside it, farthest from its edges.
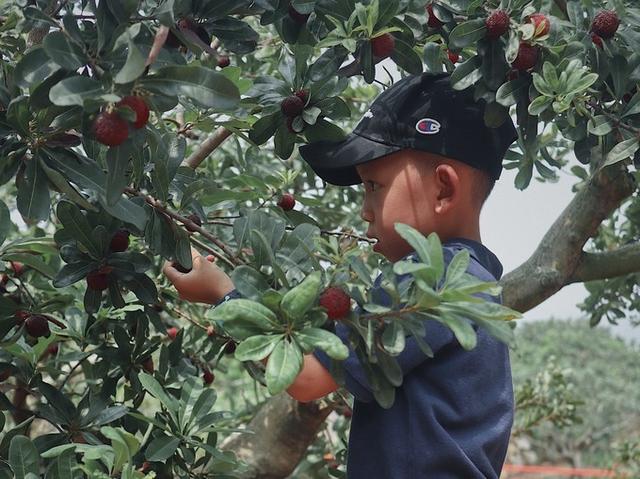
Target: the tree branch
(207, 147)
(608, 264)
(554, 263)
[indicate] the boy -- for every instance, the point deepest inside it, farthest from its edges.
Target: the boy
(426, 159)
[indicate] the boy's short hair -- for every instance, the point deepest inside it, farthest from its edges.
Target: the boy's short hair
(421, 112)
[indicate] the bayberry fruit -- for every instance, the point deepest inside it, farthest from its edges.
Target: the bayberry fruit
(382, 46)
(336, 302)
(596, 40)
(98, 280)
(21, 316)
(432, 20)
(208, 376)
(4, 280)
(497, 24)
(541, 24)
(139, 107)
(172, 333)
(224, 61)
(211, 332)
(303, 95)
(147, 365)
(119, 241)
(230, 347)
(37, 325)
(110, 129)
(527, 57)
(453, 57)
(605, 24)
(292, 106)
(287, 202)
(296, 16)
(17, 268)
(52, 349)
(196, 219)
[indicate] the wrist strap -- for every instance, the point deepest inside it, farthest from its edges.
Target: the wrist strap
(233, 294)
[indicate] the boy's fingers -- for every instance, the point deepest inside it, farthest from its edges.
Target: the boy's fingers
(211, 258)
(194, 253)
(170, 272)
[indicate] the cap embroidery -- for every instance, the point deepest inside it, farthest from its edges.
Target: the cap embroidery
(368, 114)
(428, 126)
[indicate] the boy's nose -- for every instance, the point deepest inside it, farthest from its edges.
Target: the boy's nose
(365, 214)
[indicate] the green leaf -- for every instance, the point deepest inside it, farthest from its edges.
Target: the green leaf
(63, 185)
(324, 130)
(249, 282)
(283, 366)
(298, 300)
(509, 92)
(162, 448)
(462, 329)
(78, 227)
(406, 57)
(323, 339)
(202, 85)
(5, 221)
(433, 57)
(244, 317)
(467, 73)
(429, 249)
(256, 348)
(64, 465)
(622, 151)
(33, 261)
(33, 199)
(75, 90)
(64, 51)
(467, 33)
(133, 67)
(23, 457)
(539, 105)
(117, 164)
(34, 67)
(152, 386)
(393, 338)
(599, 125)
(457, 268)
(265, 127)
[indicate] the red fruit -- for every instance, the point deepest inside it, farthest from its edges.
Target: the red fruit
(382, 46)
(208, 376)
(303, 95)
(230, 347)
(146, 465)
(196, 219)
(172, 333)
(98, 280)
(17, 267)
(296, 16)
(211, 332)
(37, 325)
(53, 349)
(4, 280)
(139, 107)
(224, 61)
(119, 241)
(110, 129)
(453, 57)
(432, 20)
(292, 106)
(336, 302)
(596, 40)
(605, 24)
(187, 24)
(287, 202)
(527, 57)
(147, 365)
(21, 316)
(541, 23)
(497, 24)
(347, 412)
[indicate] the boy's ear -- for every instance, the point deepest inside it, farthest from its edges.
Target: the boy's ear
(448, 190)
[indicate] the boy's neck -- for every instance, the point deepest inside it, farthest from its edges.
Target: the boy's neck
(471, 232)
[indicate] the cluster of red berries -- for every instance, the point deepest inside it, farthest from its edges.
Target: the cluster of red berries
(336, 302)
(98, 279)
(293, 106)
(110, 129)
(604, 26)
(36, 325)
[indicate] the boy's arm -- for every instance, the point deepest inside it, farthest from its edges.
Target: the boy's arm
(312, 382)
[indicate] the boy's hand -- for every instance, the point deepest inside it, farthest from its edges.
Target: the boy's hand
(205, 283)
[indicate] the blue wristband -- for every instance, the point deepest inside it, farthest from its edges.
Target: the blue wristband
(233, 294)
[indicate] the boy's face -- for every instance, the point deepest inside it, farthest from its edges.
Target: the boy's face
(404, 188)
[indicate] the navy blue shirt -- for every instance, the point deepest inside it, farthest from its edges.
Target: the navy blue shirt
(452, 415)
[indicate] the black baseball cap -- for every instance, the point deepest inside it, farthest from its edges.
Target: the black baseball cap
(421, 112)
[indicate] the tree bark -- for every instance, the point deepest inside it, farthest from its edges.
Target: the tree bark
(284, 428)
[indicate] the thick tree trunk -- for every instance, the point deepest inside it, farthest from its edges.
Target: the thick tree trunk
(283, 429)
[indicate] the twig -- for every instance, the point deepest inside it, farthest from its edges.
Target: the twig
(210, 250)
(158, 42)
(187, 222)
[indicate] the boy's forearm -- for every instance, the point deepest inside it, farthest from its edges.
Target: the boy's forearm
(313, 381)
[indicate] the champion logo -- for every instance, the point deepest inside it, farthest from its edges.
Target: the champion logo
(368, 114)
(428, 126)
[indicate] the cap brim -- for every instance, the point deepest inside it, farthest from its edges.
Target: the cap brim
(335, 162)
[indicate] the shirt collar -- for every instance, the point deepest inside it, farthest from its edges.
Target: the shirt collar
(480, 252)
